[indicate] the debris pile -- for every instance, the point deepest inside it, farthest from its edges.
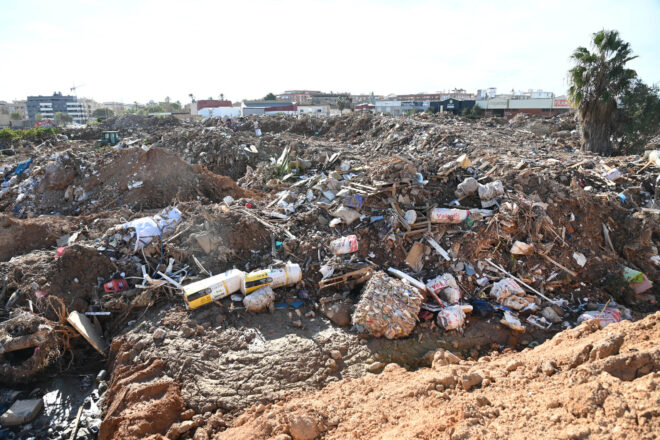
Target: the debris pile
(192, 257)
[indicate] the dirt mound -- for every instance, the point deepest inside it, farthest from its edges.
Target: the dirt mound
(141, 404)
(74, 183)
(73, 278)
(129, 122)
(613, 392)
(156, 178)
(20, 236)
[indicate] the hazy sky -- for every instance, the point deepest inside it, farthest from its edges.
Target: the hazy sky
(137, 50)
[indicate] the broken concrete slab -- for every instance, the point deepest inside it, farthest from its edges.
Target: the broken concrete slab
(22, 411)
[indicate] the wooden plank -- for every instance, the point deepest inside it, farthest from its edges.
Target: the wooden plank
(415, 258)
(360, 274)
(84, 326)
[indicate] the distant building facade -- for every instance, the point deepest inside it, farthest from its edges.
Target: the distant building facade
(509, 107)
(460, 94)
(47, 106)
(314, 110)
(268, 107)
(298, 96)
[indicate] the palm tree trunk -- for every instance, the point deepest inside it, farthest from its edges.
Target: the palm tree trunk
(597, 129)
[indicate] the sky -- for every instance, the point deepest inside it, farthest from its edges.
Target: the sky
(141, 50)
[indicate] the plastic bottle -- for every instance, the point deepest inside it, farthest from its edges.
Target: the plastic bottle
(446, 215)
(344, 245)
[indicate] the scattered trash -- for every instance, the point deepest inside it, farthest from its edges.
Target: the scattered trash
(84, 326)
(448, 215)
(287, 276)
(116, 286)
(214, 288)
(509, 320)
(451, 318)
(259, 300)
(608, 316)
(344, 245)
(638, 281)
(388, 308)
(580, 259)
(446, 286)
(520, 248)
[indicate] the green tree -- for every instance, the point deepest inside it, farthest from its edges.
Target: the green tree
(192, 97)
(341, 104)
(222, 96)
(597, 81)
(15, 116)
(38, 117)
(639, 117)
(103, 113)
(270, 97)
(62, 118)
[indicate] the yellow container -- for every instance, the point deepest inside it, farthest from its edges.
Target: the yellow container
(289, 275)
(210, 289)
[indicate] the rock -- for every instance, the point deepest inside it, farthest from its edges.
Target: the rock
(392, 367)
(339, 312)
(186, 331)
(375, 367)
(187, 414)
(471, 380)
(335, 354)
(443, 357)
(548, 367)
(550, 314)
(282, 437)
(447, 380)
(159, 334)
(606, 347)
(201, 434)
(22, 411)
(204, 241)
(303, 428)
(178, 429)
(513, 365)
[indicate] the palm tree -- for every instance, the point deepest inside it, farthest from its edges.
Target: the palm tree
(192, 97)
(596, 81)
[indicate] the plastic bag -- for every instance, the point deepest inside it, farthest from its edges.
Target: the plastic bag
(451, 318)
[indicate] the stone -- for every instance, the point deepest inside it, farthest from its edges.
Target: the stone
(548, 367)
(303, 427)
(550, 314)
(178, 429)
(471, 380)
(447, 380)
(201, 434)
(375, 367)
(335, 354)
(443, 357)
(22, 411)
(159, 334)
(339, 312)
(513, 365)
